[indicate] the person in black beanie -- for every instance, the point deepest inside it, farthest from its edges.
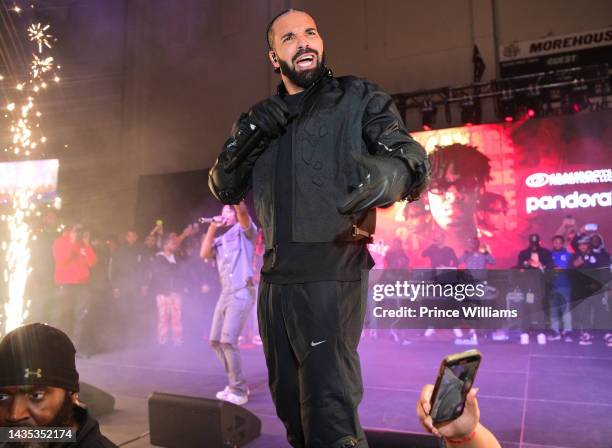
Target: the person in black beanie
(39, 386)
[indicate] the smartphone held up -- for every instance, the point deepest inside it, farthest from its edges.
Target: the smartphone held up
(455, 379)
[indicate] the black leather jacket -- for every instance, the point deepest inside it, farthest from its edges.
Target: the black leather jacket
(339, 116)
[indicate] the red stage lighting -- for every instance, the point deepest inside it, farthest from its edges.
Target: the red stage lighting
(531, 113)
(508, 119)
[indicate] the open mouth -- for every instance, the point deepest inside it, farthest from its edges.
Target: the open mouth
(306, 61)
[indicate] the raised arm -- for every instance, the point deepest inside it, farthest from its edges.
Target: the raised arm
(242, 214)
(268, 118)
(206, 249)
(466, 431)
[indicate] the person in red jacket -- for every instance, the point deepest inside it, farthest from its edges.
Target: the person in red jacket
(73, 257)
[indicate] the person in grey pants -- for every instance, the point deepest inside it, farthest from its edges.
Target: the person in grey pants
(234, 252)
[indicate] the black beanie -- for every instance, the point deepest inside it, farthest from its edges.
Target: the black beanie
(39, 355)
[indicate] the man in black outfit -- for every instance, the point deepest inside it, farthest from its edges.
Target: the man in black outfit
(127, 273)
(441, 256)
(329, 150)
(39, 387)
(535, 256)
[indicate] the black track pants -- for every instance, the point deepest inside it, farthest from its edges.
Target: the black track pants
(310, 333)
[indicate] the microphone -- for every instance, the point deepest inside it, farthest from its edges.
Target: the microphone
(251, 143)
(209, 220)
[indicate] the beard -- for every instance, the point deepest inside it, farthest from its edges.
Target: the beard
(303, 78)
(64, 418)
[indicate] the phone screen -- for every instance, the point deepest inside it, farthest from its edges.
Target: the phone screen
(453, 387)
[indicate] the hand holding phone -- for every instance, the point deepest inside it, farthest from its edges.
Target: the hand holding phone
(159, 228)
(450, 409)
(455, 379)
(454, 429)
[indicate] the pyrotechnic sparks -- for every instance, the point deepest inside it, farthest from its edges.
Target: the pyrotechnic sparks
(26, 137)
(38, 34)
(18, 259)
(41, 66)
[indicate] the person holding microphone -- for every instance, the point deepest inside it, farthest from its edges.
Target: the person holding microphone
(234, 252)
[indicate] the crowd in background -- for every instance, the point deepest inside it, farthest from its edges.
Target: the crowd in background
(132, 288)
(80, 278)
(567, 298)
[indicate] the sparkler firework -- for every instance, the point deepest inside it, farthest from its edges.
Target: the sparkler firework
(25, 140)
(38, 34)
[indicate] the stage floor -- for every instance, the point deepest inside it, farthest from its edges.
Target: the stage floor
(558, 395)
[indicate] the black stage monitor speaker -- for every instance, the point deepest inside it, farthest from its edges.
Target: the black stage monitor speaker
(178, 421)
(98, 402)
(380, 438)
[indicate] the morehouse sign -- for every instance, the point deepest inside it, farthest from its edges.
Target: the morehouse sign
(556, 52)
(569, 199)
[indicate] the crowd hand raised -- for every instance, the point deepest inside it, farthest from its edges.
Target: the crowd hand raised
(188, 231)
(459, 428)
(384, 184)
(270, 115)
(157, 230)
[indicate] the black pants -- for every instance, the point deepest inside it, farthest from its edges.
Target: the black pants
(310, 333)
(69, 312)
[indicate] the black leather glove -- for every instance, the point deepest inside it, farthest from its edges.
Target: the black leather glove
(270, 115)
(388, 180)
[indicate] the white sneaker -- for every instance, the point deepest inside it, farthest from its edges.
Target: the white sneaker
(237, 399)
(556, 336)
(222, 394)
(394, 335)
(499, 335)
(472, 340)
(458, 332)
(429, 332)
(586, 339)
